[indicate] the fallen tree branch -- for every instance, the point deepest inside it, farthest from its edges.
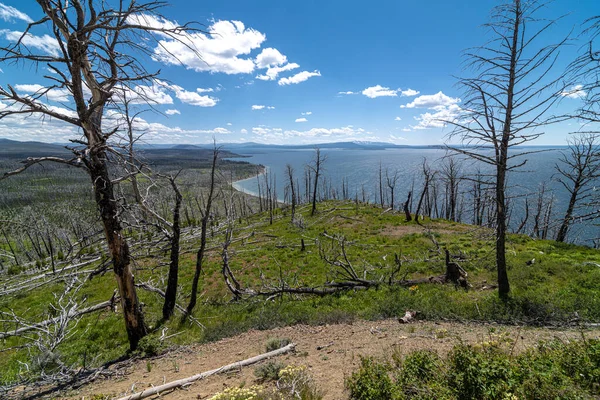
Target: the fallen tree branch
(186, 381)
(72, 314)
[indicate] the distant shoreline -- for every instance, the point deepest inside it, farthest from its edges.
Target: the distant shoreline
(236, 184)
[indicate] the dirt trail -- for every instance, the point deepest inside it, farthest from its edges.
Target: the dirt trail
(329, 366)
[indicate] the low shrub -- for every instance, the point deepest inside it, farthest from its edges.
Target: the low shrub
(487, 370)
(268, 371)
(371, 381)
(277, 343)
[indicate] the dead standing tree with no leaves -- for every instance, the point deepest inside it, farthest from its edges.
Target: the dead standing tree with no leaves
(97, 59)
(507, 101)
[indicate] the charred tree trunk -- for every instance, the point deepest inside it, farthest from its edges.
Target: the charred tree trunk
(317, 170)
(171, 292)
(455, 273)
(290, 172)
(407, 209)
(118, 247)
(203, 231)
(503, 284)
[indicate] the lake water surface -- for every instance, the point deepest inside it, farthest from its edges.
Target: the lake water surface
(360, 169)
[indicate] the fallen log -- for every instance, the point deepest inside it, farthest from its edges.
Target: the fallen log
(72, 314)
(408, 316)
(186, 381)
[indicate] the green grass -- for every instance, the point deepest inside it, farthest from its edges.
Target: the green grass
(563, 281)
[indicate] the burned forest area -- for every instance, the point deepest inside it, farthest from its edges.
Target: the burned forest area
(136, 263)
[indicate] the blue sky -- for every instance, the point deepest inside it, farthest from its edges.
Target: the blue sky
(304, 72)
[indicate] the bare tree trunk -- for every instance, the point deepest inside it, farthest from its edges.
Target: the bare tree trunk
(381, 185)
(407, 209)
(391, 184)
(290, 172)
(503, 284)
(171, 291)
(203, 231)
(318, 160)
(118, 247)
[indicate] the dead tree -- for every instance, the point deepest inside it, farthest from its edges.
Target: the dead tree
(406, 208)
(205, 211)
(584, 70)
(578, 168)
(428, 176)
(316, 167)
(290, 173)
(171, 292)
(391, 180)
(455, 273)
(543, 212)
(94, 62)
(171, 230)
(381, 198)
(506, 102)
(451, 177)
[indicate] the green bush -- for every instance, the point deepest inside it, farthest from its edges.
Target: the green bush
(277, 343)
(478, 373)
(269, 371)
(371, 382)
(150, 346)
(487, 371)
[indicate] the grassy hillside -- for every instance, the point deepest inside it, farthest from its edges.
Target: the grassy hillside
(560, 287)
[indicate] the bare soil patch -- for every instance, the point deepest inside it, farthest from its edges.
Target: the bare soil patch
(344, 344)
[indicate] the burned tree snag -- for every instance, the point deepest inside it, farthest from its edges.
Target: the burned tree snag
(455, 273)
(406, 208)
(171, 292)
(205, 211)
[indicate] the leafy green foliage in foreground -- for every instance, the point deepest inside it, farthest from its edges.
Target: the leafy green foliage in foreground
(563, 281)
(489, 370)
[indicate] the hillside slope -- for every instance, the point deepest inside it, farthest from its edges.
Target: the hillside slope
(343, 344)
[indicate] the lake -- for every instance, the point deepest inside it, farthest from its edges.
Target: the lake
(360, 169)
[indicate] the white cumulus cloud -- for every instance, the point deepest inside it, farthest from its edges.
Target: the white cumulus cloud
(397, 119)
(379, 91)
(262, 107)
(301, 120)
(299, 77)
(172, 112)
(432, 101)
(62, 95)
(270, 57)
(439, 118)
(145, 94)
(307, 113)
(268, 134)
(193, 98)
(348, 92)
(9, 13)
(409, 93)
(272, 72)
(47, 44)
(225, 49)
